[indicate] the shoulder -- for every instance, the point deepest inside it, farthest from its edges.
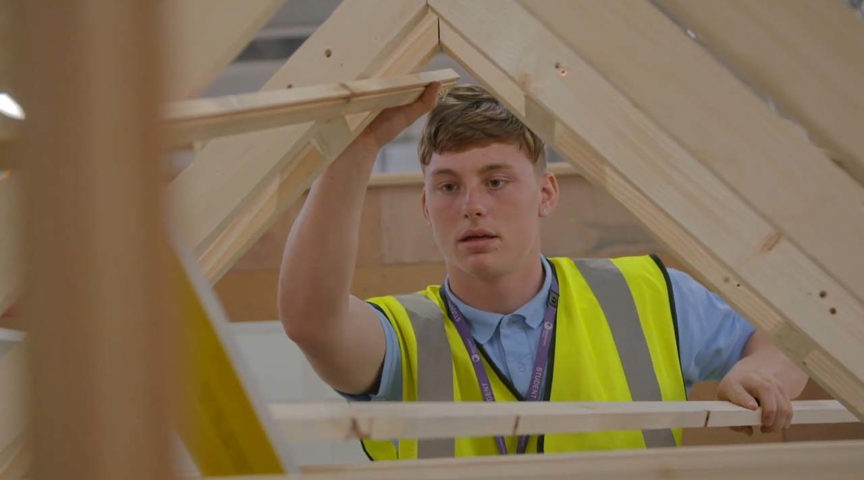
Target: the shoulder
(403, 310)
(396, 304)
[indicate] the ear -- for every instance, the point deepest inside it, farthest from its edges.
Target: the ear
(424, 207)
(548, 194)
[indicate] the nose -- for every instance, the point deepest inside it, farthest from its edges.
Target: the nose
(474, 206)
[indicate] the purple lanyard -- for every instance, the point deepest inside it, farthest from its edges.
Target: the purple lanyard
(541, 360)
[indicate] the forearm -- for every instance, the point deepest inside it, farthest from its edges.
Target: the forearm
(321, 250)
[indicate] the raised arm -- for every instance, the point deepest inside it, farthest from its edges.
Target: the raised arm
(339, 334)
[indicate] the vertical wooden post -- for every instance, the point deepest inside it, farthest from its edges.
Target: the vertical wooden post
(93, 297)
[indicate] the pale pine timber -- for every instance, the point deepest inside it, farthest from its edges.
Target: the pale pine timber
(768, 278)
(762, 157)
(96, 312)
(228, 173)
(315, 422)
(280, 193)
(204, 36)
(201, 119)
(841, 460)
(805, 55)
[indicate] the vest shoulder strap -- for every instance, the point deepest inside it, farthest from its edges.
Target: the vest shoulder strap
(434, 365)
(615, 298)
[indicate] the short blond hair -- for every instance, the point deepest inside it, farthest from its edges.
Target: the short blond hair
(467, 117)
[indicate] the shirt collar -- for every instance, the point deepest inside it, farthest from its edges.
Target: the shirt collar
(483, 324)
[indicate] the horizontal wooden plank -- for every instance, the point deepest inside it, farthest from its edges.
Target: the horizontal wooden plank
(806, 460)
(386, 420)
(201, 119)
(560, 169)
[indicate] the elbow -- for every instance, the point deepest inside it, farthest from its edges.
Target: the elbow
(306, 321)
(291, 315)
(294, 321)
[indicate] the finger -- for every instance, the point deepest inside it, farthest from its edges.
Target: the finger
(791, 412)
(739, 396)
(410, 113)
(784, 411)
(424, 103)
(768, 400)
(430, 95)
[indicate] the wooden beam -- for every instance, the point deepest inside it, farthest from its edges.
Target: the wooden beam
(194, 120)
(98, 321)
(717, 118)
(206, 35)
(804, 55)
(776, 284)
(559, 169)
(388, 420)
(228, 174)
(10, 219)
(804, 460)
(253, 220)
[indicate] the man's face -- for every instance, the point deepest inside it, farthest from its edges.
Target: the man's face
(484, 206)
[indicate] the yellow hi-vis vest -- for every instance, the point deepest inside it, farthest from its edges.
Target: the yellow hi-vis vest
(614, 340)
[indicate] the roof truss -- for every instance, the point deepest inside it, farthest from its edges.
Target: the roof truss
(731, 186)
(631, 100)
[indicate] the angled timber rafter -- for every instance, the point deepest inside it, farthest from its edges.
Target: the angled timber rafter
(206, 35)
(237, 187)
(807, 55)
(228, 173)
(749, 247)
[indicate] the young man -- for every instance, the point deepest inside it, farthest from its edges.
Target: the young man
(507, 323)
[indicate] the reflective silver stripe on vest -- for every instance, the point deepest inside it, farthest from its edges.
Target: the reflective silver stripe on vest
(615, 298)
(435, 365)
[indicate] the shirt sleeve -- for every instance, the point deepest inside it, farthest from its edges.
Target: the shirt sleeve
(390, 385)
(711, 334)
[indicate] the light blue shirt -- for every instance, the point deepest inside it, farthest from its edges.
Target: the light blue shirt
(711, 336)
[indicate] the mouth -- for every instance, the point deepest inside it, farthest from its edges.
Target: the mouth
(477, 237)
